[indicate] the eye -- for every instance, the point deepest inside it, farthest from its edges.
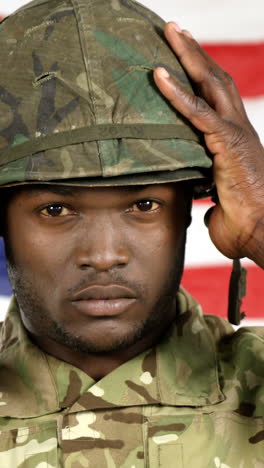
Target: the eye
(146, 206)
(56, 210)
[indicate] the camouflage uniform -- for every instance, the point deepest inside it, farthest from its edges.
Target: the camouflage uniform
(78, 105)
(194, 401)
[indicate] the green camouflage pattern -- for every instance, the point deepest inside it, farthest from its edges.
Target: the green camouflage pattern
(78, 99)
(194, 401)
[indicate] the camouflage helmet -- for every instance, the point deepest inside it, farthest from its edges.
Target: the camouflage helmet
(78, 103)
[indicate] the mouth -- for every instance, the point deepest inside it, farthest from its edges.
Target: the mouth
(103, 307)
(104, 300)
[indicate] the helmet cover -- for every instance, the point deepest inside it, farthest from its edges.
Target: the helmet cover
(78, 102)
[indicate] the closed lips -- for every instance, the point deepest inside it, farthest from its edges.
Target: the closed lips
(104, 292)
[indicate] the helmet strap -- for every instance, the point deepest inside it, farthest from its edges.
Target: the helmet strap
(237, 290)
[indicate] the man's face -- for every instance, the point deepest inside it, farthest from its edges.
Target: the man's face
(96, 269)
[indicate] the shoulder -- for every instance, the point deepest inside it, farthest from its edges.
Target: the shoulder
(243, 345)
(221, 329)
(240, 357)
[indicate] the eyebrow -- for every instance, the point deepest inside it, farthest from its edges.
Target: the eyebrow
(134, 188)
(73, 191)
(58, 190)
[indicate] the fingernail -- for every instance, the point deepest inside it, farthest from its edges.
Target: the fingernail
(176, 27)
(163, 72)
(187, 33)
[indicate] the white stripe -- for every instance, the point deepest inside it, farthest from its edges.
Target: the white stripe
(11, 5)
(227, 20)
(251, 323)
(4, 302)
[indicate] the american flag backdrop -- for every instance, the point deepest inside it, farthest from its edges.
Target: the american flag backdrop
(232, 32)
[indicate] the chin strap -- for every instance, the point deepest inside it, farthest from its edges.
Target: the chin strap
(237, 283)
(237, 290)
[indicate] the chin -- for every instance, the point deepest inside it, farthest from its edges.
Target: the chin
(107, 341)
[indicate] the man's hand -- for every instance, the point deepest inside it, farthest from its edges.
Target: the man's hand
(236, 224)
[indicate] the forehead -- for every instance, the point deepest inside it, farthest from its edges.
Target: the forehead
(33, 190)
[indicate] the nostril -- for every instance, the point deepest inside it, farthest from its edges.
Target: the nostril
(84, 266)
(121, 265)
(102, 268)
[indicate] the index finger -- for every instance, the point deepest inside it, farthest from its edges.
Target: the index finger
(214, 83)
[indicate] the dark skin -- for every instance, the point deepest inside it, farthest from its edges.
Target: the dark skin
(236, 223)
(61, 240)
(143, 251)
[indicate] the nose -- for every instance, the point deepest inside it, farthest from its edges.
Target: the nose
(102, 246)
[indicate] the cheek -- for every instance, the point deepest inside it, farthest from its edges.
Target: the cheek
(159, 251)
(163, 241)
(35, 254)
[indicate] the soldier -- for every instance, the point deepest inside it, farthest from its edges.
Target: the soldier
(105, 360)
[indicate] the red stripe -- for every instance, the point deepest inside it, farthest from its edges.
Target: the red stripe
(245, 62)
(210, 287)
(204, 201)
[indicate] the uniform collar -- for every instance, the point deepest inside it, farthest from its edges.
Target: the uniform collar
(180, 371)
